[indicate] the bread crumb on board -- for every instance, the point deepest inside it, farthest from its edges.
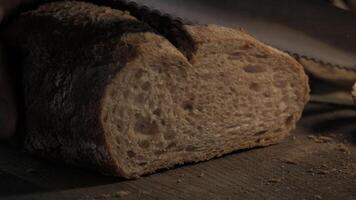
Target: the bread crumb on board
(118, 194)
(122, 193)
(290, 162)
(320, 139)
(103, 196)
(323, 169)
(274, 180)
(343, 148)
(201, 175)
(179, 180)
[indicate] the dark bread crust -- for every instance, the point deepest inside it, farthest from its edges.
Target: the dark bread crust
(70, 52)
(172, 29)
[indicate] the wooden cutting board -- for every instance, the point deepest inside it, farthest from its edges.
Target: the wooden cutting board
(318, 161)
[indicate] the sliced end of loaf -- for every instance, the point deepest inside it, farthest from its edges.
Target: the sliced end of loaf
(236, 93)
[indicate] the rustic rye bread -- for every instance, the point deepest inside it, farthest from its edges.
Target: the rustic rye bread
(104, 91)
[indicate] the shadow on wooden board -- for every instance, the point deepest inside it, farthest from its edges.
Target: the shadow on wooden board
(328, 120)
(21, 174)
(301, 167)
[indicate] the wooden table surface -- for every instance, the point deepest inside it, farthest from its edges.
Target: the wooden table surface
(318, 161)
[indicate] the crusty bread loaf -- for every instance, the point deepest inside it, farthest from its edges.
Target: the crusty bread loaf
(104, 91)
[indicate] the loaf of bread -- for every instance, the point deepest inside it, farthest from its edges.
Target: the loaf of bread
(104, 91)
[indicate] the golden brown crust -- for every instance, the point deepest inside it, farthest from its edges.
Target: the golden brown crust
(62, 80)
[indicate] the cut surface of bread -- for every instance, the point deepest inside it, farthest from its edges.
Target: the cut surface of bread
(106, 92)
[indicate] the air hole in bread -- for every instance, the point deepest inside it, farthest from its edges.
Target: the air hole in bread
(113, 93)
(158, 152)
(233, 90)
(235, 56)
(105, 118)
(280, 83)
(145, 144)
(119, 126)
(169, 135)
(267, 94)
(248, 115)
(139, 74)
(157, 112)
(142, 163)
(289, 120)
(190, 148)
(140, 98)
(256, 87)
(259, 140)
(261, 55)
(131, 154)
(265, 113)
(145, 126)
(188, 105)
(126, 93)
(268, 104)
(160, 144)
(172, 145)
(260, 132)
(146, 86)
(254, 68)
(246, 47)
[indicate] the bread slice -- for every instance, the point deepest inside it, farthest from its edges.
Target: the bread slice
(104, 91)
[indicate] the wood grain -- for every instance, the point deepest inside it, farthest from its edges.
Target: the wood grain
(317, 162)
